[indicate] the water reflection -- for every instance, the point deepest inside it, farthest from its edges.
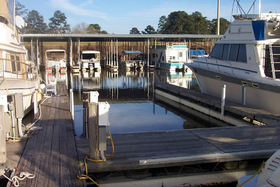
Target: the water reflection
(133, 107)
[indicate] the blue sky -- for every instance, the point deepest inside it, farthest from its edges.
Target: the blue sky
(119, 16)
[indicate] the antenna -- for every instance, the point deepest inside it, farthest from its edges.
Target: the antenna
(20, 22)
(259, 8)
(246, 14)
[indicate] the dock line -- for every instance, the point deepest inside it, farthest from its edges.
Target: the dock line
(15, 179)
(47, 97)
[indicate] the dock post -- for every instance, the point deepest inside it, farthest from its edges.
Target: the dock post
(72, 103)
(244, 94)
(93, 130)
(35, 102)
(3, 155)
(223, 100)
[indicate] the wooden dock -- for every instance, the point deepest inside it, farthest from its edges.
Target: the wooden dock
(54, 155)
(50, 152)
(186, 147)
(211, 106)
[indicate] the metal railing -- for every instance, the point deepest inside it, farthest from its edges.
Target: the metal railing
(12, 68)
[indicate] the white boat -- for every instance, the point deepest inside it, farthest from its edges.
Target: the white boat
(90, 60)
(267, 176)
(56, 60)
(247, 61)
(132, 60)
(17, 74)
(169, 57)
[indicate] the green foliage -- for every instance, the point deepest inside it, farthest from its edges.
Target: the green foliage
(35, 23)
(224, 24)
(134, 30)
(58, 23)
(21, 10)
(179, 22)
(95, 29)
(149, 30)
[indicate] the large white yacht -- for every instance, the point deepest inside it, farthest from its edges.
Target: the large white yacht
(17, 74)
(247, 61)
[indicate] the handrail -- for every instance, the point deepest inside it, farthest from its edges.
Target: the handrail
(30, 69)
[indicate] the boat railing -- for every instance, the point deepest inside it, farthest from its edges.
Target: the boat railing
(10, 68)
(270, 16)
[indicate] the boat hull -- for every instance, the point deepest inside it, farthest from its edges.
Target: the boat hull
(256, 94)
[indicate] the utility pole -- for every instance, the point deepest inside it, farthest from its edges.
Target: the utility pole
(218, 18)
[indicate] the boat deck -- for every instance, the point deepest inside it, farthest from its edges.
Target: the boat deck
(50, 152)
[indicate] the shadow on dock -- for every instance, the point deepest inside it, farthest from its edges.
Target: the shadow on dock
(50, 152)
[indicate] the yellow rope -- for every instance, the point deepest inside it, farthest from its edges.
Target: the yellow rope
(101, 160)
(112, 143)
(263, 164)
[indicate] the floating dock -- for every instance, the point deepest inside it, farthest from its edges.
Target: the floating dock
(234, 114)
(167, 158)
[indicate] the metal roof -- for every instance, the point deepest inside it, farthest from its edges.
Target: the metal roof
(119, 37)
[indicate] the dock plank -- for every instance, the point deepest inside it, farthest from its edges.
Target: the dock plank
(186, 147)
(50, 153)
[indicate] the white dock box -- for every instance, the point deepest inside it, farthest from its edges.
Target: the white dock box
(94, 96)
(104, 114)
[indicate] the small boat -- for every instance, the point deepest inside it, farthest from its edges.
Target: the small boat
(133, 61)
(247, 61)
(55, 60)
(90, 60)
(196, 53)
(169, 57)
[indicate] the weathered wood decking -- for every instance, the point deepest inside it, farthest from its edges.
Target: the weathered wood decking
(50, 153)
(186, 147)
(212, 105)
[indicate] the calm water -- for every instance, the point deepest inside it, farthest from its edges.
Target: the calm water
(133, 106)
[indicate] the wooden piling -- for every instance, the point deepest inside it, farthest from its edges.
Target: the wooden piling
(93, 132)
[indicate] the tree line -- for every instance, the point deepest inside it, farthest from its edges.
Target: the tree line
(57, 24)
(177, 22)
(180, 22)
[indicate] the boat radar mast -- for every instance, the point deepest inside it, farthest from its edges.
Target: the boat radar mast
(242, 14)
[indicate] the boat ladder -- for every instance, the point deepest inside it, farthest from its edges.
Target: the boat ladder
(274, 56)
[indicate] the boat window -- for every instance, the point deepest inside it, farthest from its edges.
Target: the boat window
(1, 61)
(180, 54)
(13, 63)
(225, 52)
(242, 57)
(217, 51)
(18, 64)
(233, 52)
